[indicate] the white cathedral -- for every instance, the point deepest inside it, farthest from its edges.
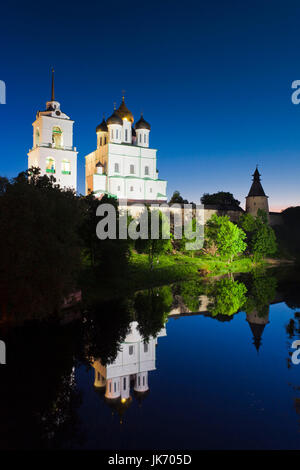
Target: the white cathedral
(123, 164)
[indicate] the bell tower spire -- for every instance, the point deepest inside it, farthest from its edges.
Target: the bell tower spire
(52, 87)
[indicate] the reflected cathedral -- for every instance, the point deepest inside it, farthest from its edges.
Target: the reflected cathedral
(129, 371)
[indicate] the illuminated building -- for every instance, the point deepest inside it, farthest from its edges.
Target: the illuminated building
(123, 164)
(53, 150)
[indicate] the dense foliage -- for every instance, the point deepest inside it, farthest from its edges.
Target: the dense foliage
(261, 238)
(221, 198)
(225, 236)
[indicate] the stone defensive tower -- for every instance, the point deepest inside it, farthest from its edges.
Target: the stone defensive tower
(256, 198)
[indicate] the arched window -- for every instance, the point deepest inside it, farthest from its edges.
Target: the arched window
(100, 141)
(132, 169)
(57, 135)
(140, 137)
(146, 170)
(117, 169)
(66, 167)
(37, 137)
(50, 165)
(104, 140)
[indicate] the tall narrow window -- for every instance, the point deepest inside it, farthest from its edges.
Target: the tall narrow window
(37, 137)
(112, 134)
(117, 169)
(126, 135)
(145, 347)
(115, 387)
(131, 188)
(139, 380)
(144, 138)
(50, 165)
(140, 137)
(117, 134)
(57, 136)
(124, 383)
(132, 169)
(146, 170)
(66, 167)
(130, 350)
(100, 141)
(104, 140)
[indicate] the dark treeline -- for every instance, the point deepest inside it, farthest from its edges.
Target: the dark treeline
(47, 236)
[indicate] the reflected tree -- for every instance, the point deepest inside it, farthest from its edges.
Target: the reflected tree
(105, 328)
(261, 292)
(152, 308)
(226, 297)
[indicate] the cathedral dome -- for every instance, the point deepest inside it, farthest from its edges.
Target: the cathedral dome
(124, 112)
(114, 119)
(102, 127)
(142, 124)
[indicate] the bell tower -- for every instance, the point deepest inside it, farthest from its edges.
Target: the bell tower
(53, 150)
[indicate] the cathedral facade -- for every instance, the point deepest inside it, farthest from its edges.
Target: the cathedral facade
(123, 164)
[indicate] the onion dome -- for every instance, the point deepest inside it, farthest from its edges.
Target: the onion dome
(142, 124)
(102, 127)
(124, 112)
(114, 119)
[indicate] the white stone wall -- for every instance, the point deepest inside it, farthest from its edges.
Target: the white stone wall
(38, 156)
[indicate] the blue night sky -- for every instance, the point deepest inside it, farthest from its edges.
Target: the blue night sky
(213, 78)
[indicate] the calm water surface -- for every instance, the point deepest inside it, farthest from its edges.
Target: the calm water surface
(205, 380)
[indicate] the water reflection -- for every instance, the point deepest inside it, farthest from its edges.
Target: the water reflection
(129, 371)
(112, 350)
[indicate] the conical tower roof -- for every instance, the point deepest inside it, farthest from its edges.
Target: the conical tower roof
(256, 188)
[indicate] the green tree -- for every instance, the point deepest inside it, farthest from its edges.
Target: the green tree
(154, 246)
(226, 297)
(226, 236)
(39, 245)
(221, 198)
(261, 237)
(109, 256)
(177, 198)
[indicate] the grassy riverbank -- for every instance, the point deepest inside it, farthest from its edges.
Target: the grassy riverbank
(167, 269)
